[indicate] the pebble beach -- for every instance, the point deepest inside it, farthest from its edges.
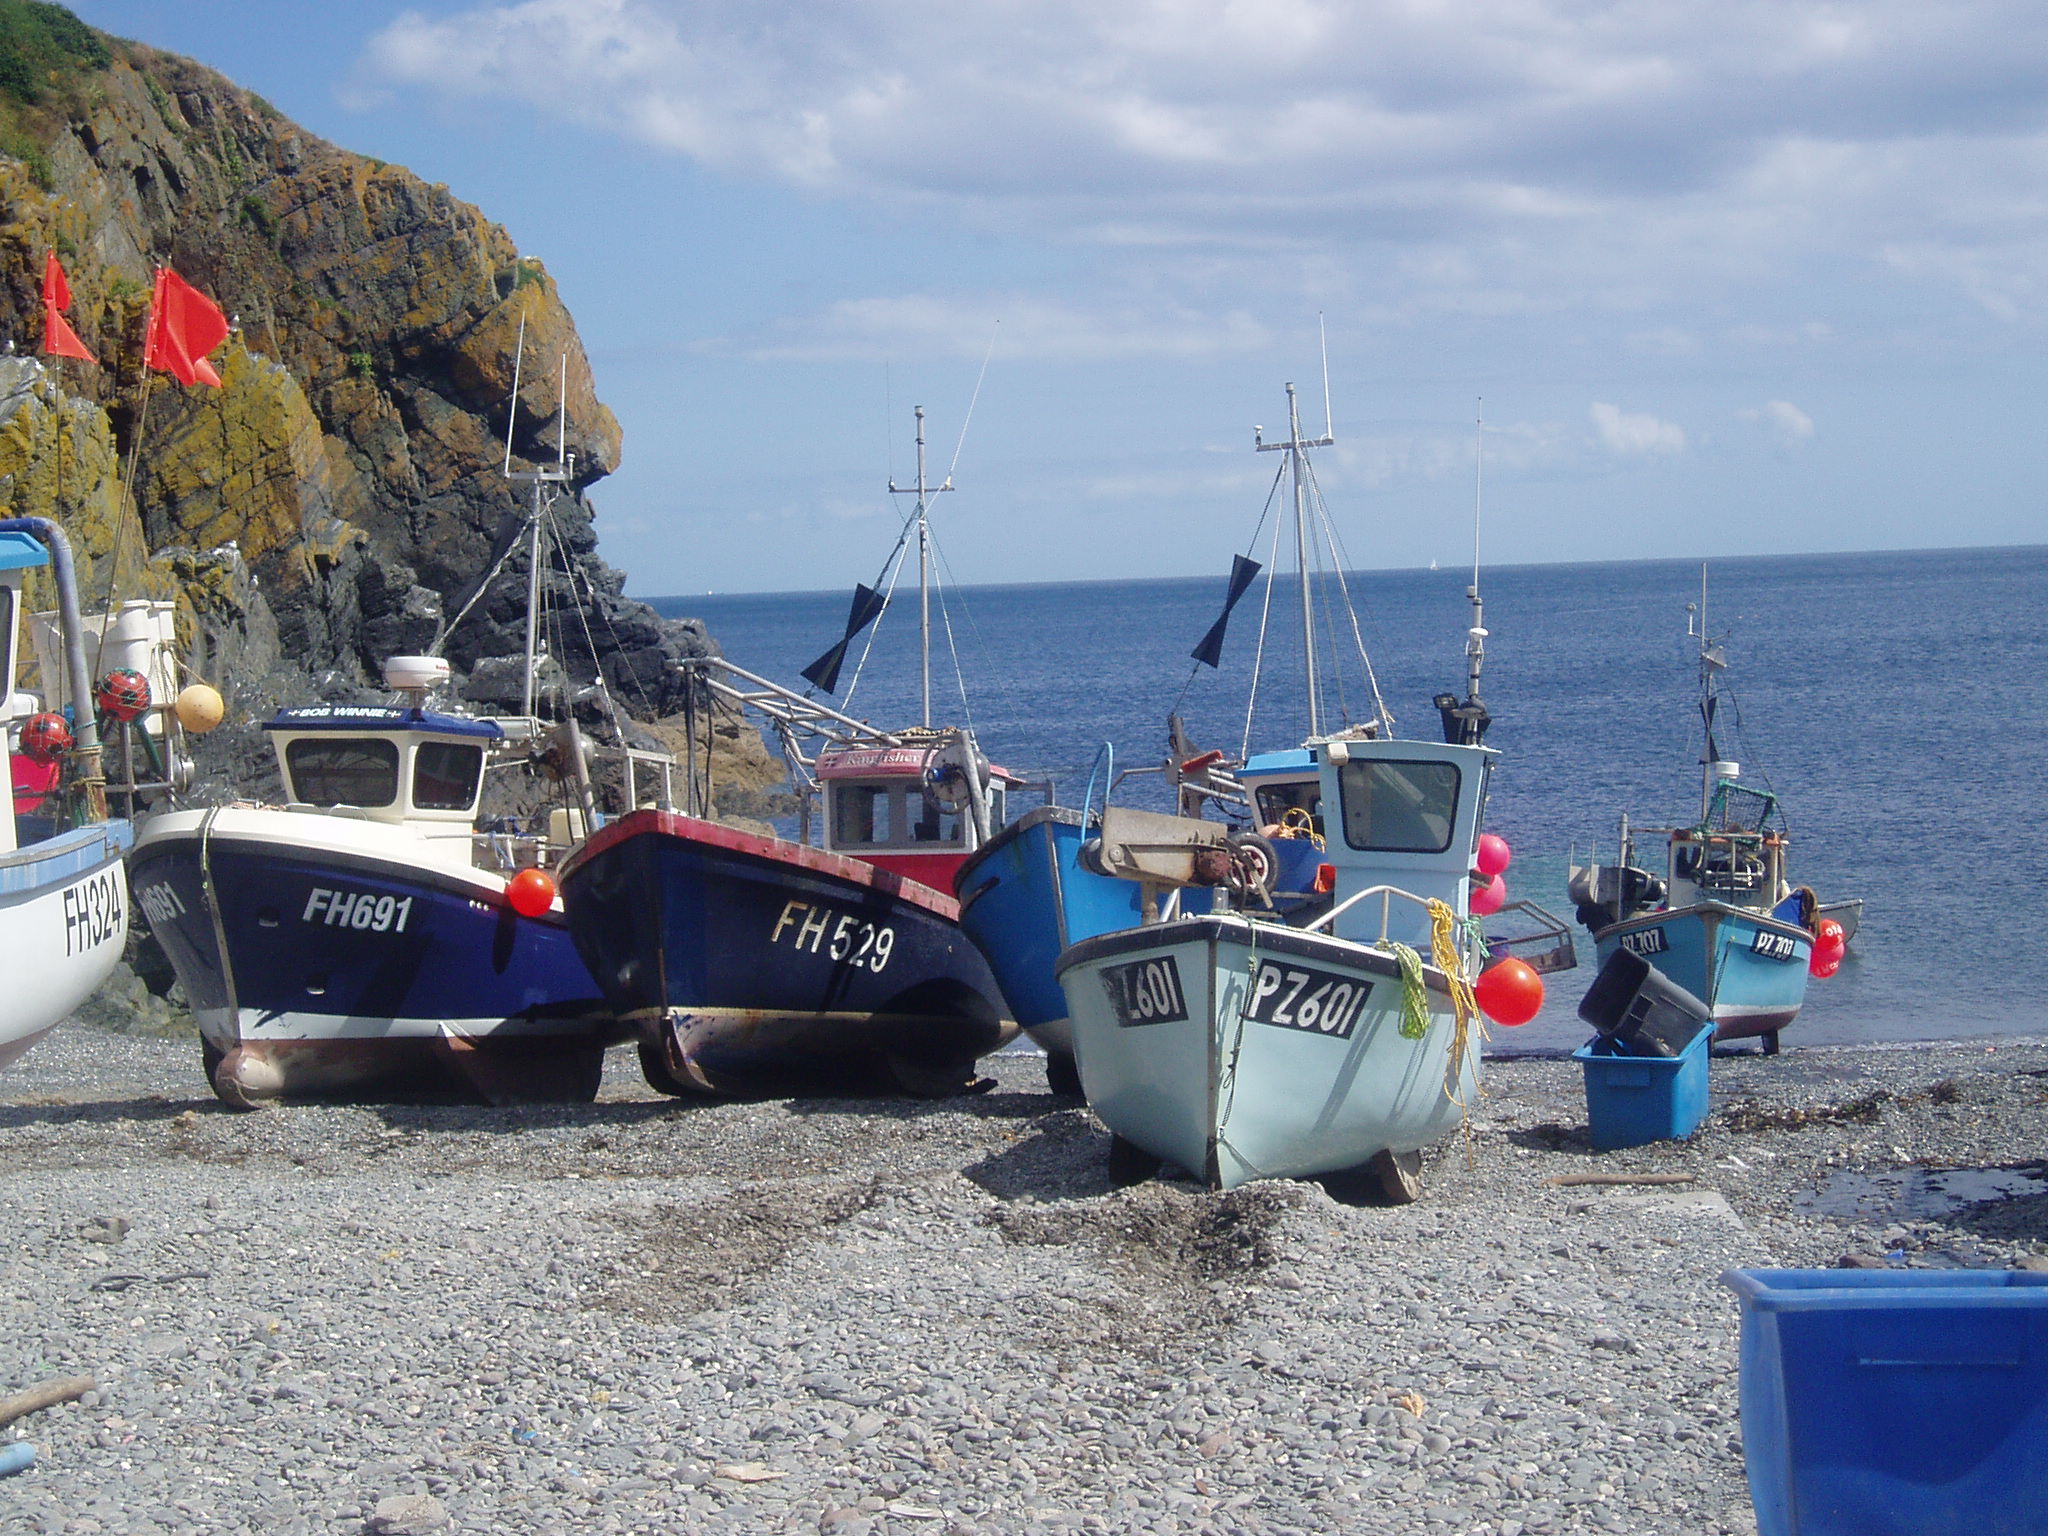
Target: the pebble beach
(852, 1317)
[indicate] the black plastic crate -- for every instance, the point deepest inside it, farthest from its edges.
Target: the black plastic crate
(1642, 1011)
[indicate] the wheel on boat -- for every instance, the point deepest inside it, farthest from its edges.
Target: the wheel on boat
(1398, 1176)
(1062, 1075)
(1130, 1163)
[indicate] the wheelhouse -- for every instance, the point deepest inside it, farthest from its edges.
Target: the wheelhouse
(407, 767)
(906, 808)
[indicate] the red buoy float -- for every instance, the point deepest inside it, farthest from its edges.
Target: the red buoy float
(1509, 992)
(123, 694)
(1493, 855)
(46, 737)
(1489, 898)
(531, 892)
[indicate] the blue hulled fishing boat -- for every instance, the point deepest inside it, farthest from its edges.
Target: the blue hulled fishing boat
(1722, 920)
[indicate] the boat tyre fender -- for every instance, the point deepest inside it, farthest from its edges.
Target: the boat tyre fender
(1089, 857)
(1255, 864)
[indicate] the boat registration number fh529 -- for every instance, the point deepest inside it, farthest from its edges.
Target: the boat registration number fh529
(92, 911)
(357, 909)
(1301, 997)
(817, 929)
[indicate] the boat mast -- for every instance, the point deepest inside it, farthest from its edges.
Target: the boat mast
(1713, 662)
(924, 561)
(1294, 447)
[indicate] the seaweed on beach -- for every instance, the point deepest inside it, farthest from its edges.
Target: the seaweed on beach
(1748, 1115)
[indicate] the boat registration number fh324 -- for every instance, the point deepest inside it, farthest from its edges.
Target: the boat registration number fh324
(92, 911)
(817, 929)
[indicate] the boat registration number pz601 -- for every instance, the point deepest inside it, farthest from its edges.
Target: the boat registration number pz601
(1773, 946)
(1146, 992)
(1299, 997)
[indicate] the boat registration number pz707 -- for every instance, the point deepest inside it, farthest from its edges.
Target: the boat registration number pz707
(1773, 946)
(1645, 941)
(1146, 992)
(1300, 997)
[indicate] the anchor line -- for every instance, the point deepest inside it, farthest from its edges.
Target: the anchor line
(220, 934)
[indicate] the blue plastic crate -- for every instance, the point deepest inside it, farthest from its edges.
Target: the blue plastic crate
(1635, 1099)
(1895, 1402)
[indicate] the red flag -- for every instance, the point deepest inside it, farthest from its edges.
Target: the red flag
(184, 325)
(59, 340)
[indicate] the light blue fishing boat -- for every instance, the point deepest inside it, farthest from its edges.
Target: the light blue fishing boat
(1723, 921)
(1237, 1047)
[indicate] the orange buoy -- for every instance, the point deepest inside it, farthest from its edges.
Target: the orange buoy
(1509, 992)
(531, 892)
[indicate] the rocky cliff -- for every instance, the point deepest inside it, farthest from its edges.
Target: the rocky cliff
(341, 497)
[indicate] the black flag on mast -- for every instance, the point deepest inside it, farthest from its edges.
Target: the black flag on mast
(1210, 651)
(867, 606)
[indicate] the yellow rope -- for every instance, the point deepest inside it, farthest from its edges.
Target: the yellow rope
(1443, 947)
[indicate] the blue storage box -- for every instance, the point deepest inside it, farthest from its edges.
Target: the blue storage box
(1634, 1099)
(1908, 1402)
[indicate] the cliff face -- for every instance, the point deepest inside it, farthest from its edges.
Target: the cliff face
(341, 497)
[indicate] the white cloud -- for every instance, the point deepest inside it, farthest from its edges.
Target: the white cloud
(1622, 434)
(1017, 326)
(1782, 419)
(1496, 156)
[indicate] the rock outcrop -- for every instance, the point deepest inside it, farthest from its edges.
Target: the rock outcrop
(341, 497)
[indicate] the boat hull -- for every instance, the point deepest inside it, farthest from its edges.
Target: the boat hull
(1240, 1051)
(1750, 968)
(64, 909)
(358, 965)
(752, 965)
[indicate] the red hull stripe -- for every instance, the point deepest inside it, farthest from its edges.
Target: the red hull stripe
(773, 850)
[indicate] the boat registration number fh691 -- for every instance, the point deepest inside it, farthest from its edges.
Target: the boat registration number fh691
(1773, 946)
(1145, 992)
(1300, 997)
(817, 929)
(92, 911)
(357, 909)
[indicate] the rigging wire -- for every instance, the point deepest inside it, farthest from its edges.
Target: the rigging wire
(1251, 702)
(1339, 564)
(966, 420)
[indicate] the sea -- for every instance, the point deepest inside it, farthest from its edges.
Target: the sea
(1896, 702)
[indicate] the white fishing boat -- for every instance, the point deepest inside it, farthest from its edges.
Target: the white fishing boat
(63, 898)
(1322, 1015)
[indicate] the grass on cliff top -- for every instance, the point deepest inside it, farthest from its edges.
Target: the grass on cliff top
(42, 45)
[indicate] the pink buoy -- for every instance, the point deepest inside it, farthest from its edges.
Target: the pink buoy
(1489, 898)
(1493, 855)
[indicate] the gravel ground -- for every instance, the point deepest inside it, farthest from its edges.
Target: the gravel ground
(651, 1315)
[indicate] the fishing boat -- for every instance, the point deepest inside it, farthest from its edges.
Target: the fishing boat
(63, 901)
(377, 934)
(753, 963)
(1722, 919)
(1237, 1046)
(1043, 883)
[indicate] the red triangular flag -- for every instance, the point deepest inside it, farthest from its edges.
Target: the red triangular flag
(184, 325)
(59, 340)
(56, 291)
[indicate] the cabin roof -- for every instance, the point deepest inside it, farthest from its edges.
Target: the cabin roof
(380, 717)
(1293, 763)
(19, 552)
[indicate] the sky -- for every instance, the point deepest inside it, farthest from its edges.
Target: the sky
(1762, 276)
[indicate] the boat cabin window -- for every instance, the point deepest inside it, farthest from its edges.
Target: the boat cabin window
(343, 770)
(445, 775)
(1399, 807)
(892, 815)
(6, 643)
(1274, 801)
